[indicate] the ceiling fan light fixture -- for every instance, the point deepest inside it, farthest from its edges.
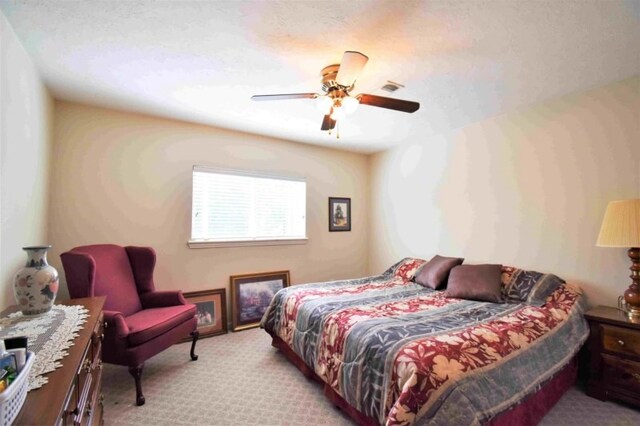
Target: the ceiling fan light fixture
(338, 113)
(324, 104)
(350, 104)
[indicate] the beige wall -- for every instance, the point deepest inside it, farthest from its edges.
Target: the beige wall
(25, 126)
(528, 188)
(126, 179)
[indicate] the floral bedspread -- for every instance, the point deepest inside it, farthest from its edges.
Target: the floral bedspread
(404, 354)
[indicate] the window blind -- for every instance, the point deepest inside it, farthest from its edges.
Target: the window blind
(231, 205)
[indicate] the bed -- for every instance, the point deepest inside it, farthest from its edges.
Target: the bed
(393, 352)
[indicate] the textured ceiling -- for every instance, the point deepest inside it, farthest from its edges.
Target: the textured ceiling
(201, 61)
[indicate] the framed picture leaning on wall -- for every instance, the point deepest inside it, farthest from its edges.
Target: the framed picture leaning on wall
(211, 311)
(251, 295)
(339, 214)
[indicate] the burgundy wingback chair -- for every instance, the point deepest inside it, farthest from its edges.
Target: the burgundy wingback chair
(140, 321)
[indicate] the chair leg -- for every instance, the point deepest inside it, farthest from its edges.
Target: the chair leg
(195, 334)
(136, 372)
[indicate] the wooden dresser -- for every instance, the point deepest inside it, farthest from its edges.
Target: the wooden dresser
(614, 356)
(73, 395)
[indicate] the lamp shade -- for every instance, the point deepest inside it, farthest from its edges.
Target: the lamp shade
(621, 225)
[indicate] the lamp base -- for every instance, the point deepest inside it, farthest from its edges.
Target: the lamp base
(630, 302)
(633, 314)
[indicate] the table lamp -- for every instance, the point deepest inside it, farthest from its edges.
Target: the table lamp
(621, 228)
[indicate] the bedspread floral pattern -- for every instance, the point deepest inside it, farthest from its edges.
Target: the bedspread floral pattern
(531, 287)
(425, 365)
(392, 348)
(408, 268)
(338, 325)
(298, 298)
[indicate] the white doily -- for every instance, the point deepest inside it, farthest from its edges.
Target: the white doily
(50, 335)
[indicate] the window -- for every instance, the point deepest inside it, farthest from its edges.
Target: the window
(231, 207)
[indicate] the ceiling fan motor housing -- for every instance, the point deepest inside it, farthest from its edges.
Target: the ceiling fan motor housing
(329, 84)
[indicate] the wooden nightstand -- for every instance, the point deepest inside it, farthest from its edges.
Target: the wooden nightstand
(614, 352)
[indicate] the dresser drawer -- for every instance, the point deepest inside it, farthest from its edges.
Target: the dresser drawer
(621, 373)
(84, 404)
(620, 340)
(96, 340)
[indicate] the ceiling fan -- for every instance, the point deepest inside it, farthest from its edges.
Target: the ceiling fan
(336, 101)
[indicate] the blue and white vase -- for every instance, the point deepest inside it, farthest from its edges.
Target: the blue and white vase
(35, 286)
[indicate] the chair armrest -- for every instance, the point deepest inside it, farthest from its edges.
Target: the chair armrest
(161, 299)
(115, 321)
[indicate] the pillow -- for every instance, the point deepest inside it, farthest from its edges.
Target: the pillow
(530, 287)
(406, 268)
(435, 272)
(476, 282)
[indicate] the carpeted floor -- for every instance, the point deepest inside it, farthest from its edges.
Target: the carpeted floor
(241, 380)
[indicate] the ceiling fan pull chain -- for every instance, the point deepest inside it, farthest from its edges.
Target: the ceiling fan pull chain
(338, 130)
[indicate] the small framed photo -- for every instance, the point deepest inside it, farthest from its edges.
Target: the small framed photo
(211, 311)
(339, 214)
(251, 295)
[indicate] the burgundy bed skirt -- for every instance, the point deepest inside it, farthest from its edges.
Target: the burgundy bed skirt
(529, 412)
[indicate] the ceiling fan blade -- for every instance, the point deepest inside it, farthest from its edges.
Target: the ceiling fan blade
(350, 68)
(284, 96)
(389, 103)
(328, 123)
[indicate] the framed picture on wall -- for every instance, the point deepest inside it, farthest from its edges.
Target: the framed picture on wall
(211, 311)
(339, 214)
(251, 295)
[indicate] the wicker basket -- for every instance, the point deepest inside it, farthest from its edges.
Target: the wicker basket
(13, 397)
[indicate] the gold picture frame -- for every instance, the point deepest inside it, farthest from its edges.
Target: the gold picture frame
(251, 295)
(211, 311)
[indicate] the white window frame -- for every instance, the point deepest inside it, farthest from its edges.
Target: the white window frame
(207, 243)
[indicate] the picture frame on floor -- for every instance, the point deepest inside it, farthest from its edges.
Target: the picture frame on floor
(339, 214)
(251, 295)
(211, 311)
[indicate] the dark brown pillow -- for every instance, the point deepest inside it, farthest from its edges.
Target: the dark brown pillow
(476, 282)
(435, 272)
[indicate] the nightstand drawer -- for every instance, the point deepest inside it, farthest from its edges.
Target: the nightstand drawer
(620, 340)
(621, 373)
(613, 355)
